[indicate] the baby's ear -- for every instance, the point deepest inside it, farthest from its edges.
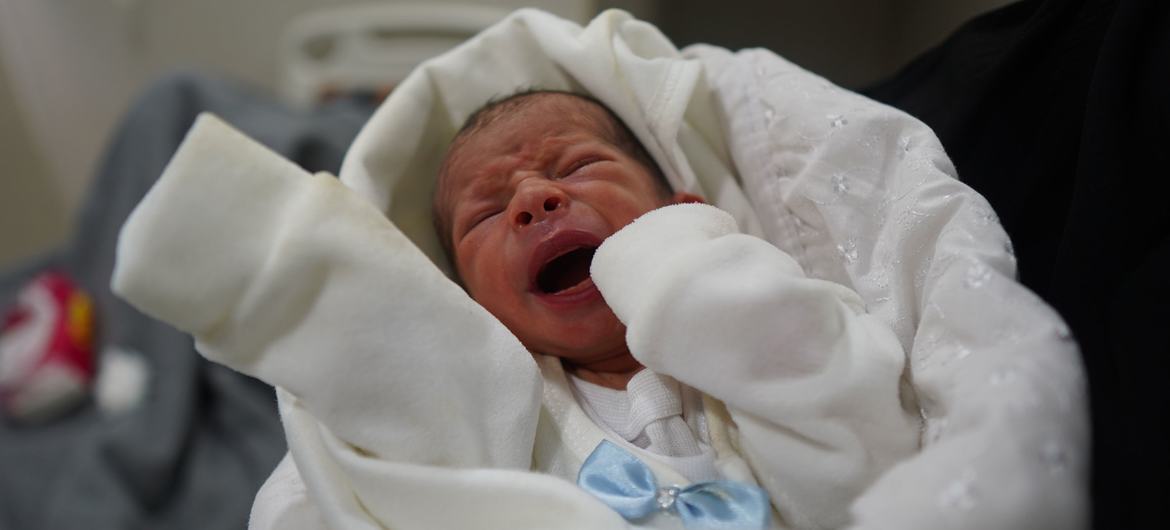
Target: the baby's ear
(682, 197)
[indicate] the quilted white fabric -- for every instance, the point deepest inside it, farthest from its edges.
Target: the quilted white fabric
(863, 194)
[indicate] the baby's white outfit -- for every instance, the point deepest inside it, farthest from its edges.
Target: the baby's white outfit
(648, 413)
(651, 414)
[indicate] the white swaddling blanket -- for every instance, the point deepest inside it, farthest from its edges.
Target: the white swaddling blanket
(856, 192)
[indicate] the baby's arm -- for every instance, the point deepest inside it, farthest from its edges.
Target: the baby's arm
(297, 281)
(403, 400)
(811, 380)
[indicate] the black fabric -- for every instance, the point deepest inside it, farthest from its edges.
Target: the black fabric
(193, 454)
(1058, 112)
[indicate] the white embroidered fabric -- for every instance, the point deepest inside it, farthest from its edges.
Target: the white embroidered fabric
(864, 195)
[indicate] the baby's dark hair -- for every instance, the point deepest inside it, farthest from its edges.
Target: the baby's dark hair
(619, 134)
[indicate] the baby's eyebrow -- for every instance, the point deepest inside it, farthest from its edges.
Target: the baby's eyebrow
(482, 184)
(479, 187)
(487, 178)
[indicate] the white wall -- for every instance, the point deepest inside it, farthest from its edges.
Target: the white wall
(31, 213)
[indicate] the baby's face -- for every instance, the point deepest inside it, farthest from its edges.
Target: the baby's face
(527, 200)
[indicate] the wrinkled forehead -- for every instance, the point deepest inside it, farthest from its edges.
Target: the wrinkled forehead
(522, 132)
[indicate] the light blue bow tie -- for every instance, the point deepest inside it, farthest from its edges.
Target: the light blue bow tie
(628, 486)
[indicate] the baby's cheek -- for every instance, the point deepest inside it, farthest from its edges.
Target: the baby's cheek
(632, 214)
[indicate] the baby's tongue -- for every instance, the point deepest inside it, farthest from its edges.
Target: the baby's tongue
(566, 270)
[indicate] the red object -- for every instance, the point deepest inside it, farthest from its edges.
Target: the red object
(46, 348)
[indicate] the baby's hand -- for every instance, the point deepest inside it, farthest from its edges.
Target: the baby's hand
(630, 258)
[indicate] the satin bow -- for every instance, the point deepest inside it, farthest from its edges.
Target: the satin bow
(628, 486)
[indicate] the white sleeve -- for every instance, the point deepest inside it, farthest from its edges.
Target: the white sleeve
(405, 403)
(811, 380)
(283, 502)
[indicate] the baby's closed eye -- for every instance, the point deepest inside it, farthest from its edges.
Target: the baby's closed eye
(484, 215)
(578, 165)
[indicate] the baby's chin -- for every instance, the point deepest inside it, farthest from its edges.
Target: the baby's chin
(582, 342)
(617, 361)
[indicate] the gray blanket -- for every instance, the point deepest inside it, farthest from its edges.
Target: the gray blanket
(194, 452)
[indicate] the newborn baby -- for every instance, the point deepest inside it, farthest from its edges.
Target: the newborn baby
(616, 327)
(535, 183)
(528, 191)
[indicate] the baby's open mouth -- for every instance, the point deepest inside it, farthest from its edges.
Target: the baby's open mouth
(565, 271)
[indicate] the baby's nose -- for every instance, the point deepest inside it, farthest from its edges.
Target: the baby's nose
(538, 204)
